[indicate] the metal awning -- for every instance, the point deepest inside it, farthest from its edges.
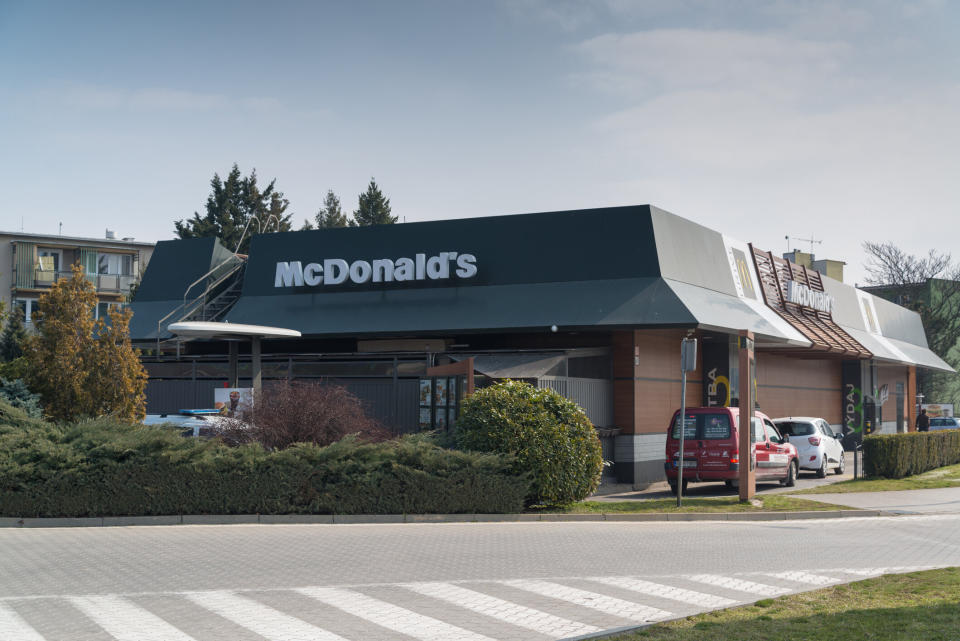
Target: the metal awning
(897, 351)
(532, 365)
(234, 332)
(728, 314)
(227, 331)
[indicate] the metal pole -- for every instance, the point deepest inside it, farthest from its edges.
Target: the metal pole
(255, 357)
(683, 428)
(233, 364)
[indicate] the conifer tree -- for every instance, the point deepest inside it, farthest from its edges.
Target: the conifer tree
(331, 214)
(232, 203)
(373, 209)
(81, 367)
(11, 342)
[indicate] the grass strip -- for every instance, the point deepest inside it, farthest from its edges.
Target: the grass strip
(894, 607)
(941, 477)
(772, 503)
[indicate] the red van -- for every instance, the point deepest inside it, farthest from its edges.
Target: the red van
(712, 453)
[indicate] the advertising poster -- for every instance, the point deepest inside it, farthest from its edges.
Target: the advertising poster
(231, 401)
(426, 420)
(938, 410)
(425, 398)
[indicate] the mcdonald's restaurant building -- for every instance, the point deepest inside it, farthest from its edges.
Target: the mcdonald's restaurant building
(592, 303)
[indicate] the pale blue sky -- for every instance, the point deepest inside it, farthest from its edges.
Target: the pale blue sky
(757, 118)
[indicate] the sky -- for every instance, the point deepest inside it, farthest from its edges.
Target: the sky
(836, 121)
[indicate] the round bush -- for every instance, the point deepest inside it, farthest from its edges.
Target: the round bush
(550, 436)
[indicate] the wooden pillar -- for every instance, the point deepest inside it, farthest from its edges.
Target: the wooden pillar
(910, 406)
(626, 381)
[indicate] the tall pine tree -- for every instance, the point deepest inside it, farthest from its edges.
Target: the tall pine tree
(373, 209)
(331, 215)
(232, 203)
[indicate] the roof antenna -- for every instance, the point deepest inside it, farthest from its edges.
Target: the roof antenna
(810, 240)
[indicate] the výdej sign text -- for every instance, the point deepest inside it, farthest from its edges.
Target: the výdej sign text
(335, 271)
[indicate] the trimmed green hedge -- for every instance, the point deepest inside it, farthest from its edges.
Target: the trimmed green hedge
(107, 468)
(895, 456)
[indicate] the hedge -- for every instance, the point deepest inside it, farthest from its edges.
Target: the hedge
(107, 468)
(550, 437)
(898, 455)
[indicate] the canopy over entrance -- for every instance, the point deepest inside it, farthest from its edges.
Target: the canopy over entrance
(234, 332)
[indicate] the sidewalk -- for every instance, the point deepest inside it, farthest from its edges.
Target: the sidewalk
(938, 500)
(609, 491)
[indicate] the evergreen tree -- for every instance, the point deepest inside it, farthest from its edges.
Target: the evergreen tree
(81, 367)
(374, 209)
(232, 204)
(331, 215)
(17, 394)
(11, 342)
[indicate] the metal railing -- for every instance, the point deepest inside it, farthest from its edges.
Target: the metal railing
(190, 306)
(119, 283)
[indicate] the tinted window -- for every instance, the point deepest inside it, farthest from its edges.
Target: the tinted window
(938, 422)
(796, 428)
(703, 427)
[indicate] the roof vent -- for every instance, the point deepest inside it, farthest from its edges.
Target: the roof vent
(111, 235)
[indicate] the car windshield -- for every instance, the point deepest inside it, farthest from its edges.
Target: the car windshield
(796, 428)
(707, 427)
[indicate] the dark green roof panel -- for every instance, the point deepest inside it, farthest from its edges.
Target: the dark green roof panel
(567, 246)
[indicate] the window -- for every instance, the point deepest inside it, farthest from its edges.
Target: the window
(708, 427)
(772, 432)
(825, 428)
(103, 309)
(49, 260)
(116, 264)
(27, 306)
(797, 428)
(756, 434)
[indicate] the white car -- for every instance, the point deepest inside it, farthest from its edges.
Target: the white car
(944, 423)
(818, 447)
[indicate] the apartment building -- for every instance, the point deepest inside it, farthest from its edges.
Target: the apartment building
(31, 263)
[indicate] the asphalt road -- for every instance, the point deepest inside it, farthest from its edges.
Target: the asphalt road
(477, 581)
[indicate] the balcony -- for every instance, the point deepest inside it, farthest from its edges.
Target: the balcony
(106, 283)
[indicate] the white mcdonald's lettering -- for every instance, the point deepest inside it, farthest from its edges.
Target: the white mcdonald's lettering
(801, 295)
(334, 271)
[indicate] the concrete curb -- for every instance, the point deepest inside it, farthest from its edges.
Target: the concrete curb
(356, 519)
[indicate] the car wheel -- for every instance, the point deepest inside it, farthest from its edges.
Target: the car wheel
(822, 472)
(791, 478)
(840, 468)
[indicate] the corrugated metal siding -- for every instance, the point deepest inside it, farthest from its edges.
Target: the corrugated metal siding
(400, 413)
(169, 396)
(594, 395)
